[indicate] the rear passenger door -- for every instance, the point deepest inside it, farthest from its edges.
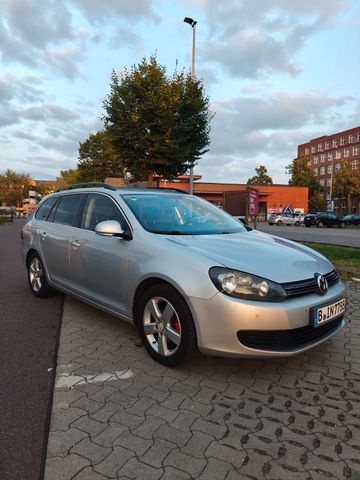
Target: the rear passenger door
(54, 237)
(99, 265)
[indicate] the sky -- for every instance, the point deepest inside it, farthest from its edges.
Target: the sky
(278, 73)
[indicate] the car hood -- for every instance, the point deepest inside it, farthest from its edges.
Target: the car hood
(258, 253)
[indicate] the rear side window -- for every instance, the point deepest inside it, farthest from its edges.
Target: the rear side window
(67, 209)
(44, 210)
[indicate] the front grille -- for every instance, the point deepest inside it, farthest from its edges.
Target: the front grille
(287, 340)
(304, 287)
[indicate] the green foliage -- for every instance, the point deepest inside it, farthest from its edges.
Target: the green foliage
(347, 184)
(14, 187)
(158, 124)
(261, 177)
(303, 176)
(98, 159)
(67, 177)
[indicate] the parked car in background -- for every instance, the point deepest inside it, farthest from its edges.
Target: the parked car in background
(284, 219)
(299, 216)
(353, 219)
(324, 219)
(186, 273)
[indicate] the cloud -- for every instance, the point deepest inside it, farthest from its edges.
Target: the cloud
(257, 39)
(97, 12)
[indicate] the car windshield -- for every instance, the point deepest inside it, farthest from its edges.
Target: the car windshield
(175, 214)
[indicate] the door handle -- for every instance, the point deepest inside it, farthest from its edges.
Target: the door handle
(43, 235)
(75, 244)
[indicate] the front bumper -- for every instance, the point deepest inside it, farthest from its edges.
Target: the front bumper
(221, 321)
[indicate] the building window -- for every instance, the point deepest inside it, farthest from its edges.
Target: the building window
(337, 166)
(327, 145)
(358, 137)
(323, 157)
(331, 157)
(354, 164)
(316, 159)
(342, 141)
(335, 143)
(316, 172)
(338, 154)
(322, 182)
(351, 138)
(309, 162)
(346, 152)
(328, 182)
(319, 147)
(356, 150)
(322, 171)
(313, 149)
(329, 168)
(307, 150)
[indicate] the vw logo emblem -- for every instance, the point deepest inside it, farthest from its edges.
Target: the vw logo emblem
(322, 283)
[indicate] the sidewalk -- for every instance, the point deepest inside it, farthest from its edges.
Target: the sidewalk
(119, 415)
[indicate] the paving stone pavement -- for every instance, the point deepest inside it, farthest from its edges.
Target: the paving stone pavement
(117, 414)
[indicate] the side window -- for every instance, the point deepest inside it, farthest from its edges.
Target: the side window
(67, 209)
(99, 208)
(43, 211)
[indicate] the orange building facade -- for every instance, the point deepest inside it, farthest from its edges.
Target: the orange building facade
(272, 198)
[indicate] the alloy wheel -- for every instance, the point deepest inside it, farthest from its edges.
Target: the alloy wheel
(36, 274)
(162, 327)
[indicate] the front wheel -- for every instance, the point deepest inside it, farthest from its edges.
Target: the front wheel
(166, 325)
(37, 277)
(320, 224)
(279, 223)
(342, 225)
(297, 223)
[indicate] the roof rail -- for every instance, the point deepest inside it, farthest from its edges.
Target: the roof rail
(166, 189)
(86, 185)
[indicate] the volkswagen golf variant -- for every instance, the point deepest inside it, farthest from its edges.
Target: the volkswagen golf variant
(186, 273)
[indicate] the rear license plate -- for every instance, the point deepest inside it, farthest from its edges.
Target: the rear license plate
(328, 312)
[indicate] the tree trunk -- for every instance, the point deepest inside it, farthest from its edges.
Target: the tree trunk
(150, 180)
(348, 203)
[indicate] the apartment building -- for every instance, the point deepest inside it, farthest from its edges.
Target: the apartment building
(326, 155)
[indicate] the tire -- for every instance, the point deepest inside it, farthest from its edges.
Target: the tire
(279, 223)
(308, 225)
(167, 340)
(342, 225)
(297, 223)
(37, 277)
(320, 224)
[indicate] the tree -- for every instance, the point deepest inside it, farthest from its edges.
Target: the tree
(158, 124)
(14, 187)
(98, 159)
(67, 177)
(347, 184)
(261, 177)
(303, 176)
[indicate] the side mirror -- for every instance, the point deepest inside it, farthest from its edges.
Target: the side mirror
(112, 228)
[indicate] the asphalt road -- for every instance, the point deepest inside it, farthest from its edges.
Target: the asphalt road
(348, 237)
(29, 330)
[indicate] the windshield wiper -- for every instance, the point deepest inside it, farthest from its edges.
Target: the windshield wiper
(170, 232)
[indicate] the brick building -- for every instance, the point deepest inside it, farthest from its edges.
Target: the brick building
(327, 154)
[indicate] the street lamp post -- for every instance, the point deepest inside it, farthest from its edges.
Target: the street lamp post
(192, 24)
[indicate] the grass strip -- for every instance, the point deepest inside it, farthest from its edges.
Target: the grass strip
(345, 259)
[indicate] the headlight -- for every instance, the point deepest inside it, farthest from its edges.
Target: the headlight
(243, 285)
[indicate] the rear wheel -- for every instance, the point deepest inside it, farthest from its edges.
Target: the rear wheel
(320, 224)
(37, 277)
(342, 225)
(279, 223)
(166, 325)
(297, 223)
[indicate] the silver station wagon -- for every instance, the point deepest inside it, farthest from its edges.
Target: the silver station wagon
(187, 274)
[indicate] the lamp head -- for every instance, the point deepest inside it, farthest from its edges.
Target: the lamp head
(190, 21)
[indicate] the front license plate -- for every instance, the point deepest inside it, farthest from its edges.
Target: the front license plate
(328, 312)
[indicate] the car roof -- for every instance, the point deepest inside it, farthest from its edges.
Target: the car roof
(99, 186)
